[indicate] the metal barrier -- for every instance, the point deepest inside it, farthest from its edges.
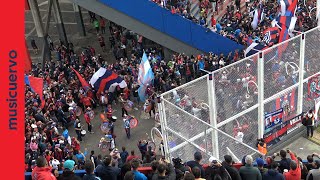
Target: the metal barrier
(224, 112)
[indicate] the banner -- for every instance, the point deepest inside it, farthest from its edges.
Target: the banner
(275, 134)
(273, 118)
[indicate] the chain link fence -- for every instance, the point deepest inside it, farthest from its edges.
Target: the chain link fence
(187, 134)
(225, 119)
(281, 66)
(312, 55)
(236, 87)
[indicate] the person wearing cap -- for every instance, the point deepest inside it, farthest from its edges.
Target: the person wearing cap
(273, 173)
(216, 170)
(42, 171)
(105, 171)
(68, 173)
(196, 163)
(228, 164)
(295, 170)
(248, 172)
(260, 164)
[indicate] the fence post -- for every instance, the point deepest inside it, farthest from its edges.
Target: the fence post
(213, 114)
(318, 12)
(260, 95)
(301, 74)
(163, 123)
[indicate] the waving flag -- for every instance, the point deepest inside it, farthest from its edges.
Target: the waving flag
(257, 16)
(36, 85)
(83, 82)
(254, 48)
(271, 35)
(105, 79)
(145, 77)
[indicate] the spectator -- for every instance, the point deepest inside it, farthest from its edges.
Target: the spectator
(295, 170)
(124, 154)
(129, 176)
(105, 171)
(96, 25)
(137, 175)
(189, 176)
(154, 166)
(260, 164)
(248, 172)
(309, 123)
(216, 171)
(102, 25)
(310, 164)
(165, 171)
(273, 173)
(284, 162)
(124, 169)
(89, 167)
(196, 163)
(68, 173)
(197, 173)
(93, 159)
(132, 156)
(314, 174)
(228, 164)
(42, 171)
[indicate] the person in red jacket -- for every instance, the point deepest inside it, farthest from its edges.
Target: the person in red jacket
(86, 101)
(42, 171)
(88, 119)
(295, 170)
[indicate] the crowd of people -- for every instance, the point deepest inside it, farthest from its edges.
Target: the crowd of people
(236, 24)
(48, 119)
(116, 167)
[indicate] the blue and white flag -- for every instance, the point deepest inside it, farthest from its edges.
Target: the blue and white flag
(145, 77)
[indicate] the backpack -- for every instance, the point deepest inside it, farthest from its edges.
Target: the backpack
(304, 121)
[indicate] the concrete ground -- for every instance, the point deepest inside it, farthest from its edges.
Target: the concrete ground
(90, 141)
(303, 147)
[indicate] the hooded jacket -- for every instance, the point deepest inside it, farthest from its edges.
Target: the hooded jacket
(293, 174)
(42, 173)
(272, 174)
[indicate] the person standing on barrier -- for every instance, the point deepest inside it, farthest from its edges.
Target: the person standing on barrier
(308, 121)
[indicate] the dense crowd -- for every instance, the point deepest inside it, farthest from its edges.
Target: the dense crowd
(48, 120)
(236, 24)
(47, 139)
(116, 167)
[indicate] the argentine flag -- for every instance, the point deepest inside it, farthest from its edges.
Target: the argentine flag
(145, 77)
